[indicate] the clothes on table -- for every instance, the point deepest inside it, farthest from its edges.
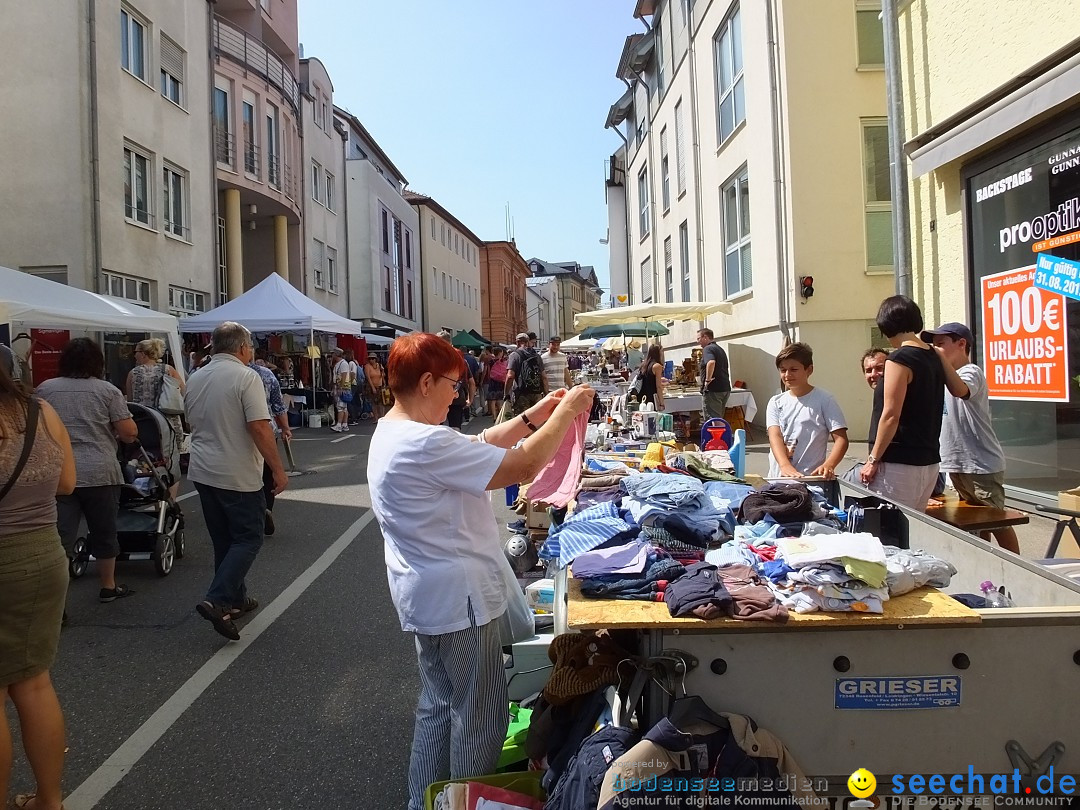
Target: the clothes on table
(649, 586)
(800, 551)
(752, 600)
(710, 465)
(784, 502)
(670, 491)
(584, 531)
(591, 497)
(699, 592)
(909, 569)
(626, 559)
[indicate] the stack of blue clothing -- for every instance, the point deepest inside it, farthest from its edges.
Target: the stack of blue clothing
(678, 512)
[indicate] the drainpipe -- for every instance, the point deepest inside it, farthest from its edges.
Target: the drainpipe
(344, 134)
(648, 178)
(897, 162)
(783, 275)
(215, 211)
(95, 148)
(695, 156)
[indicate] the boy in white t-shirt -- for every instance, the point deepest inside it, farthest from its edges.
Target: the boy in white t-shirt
(801, 420)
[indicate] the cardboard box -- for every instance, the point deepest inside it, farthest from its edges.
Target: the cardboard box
(541, 595)
(1069, 499)
(537, 517)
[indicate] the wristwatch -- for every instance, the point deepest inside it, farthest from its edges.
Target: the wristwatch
(870, 459)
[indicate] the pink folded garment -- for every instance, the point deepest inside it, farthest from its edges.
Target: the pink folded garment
(557, 482)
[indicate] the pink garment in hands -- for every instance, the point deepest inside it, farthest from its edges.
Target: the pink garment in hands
(557, 482)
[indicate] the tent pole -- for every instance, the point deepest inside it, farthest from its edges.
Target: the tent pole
(311, 353)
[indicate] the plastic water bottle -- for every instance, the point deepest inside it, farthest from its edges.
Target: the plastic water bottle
(994, 597)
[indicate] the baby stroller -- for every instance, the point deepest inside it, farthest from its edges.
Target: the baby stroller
(149, 525)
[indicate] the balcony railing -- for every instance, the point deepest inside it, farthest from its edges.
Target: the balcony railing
(225, 147)
(251, 54)
(273, 171)
(251, 159)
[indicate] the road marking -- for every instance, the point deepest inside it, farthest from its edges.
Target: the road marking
(343, 438)
(187, 495)
(110, 772)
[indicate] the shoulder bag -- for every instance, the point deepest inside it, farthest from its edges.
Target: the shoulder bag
(32, 411)
(169, 399)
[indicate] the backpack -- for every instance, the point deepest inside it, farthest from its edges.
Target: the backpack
(530, 375)
(498, 370)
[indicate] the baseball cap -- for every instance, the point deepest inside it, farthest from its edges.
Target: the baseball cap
(522, 336)
(952, 329)
(554, 339)
(532, 335)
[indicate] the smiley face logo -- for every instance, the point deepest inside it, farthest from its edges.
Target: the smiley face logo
(862, 783)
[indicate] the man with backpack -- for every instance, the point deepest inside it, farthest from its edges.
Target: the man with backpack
(524, 385)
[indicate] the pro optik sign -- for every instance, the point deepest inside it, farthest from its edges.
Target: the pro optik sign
(1024, 208)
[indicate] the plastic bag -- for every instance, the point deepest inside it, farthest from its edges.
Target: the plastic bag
(517, 623)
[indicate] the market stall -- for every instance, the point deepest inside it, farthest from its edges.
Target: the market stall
(30, 301)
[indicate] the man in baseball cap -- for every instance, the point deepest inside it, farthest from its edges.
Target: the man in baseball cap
(970, 452)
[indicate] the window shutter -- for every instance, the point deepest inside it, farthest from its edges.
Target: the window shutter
(680, 149)
(172, 58)
(646, 281)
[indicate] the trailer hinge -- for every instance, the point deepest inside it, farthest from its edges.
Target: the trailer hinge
(1029, 768)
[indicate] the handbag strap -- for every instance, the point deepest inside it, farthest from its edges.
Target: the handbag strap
(32, 411)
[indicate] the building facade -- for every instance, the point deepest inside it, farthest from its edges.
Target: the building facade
(256, 114)
(503, 274)
(992, 117)
(543, 307)
(449, 268)
(324, 226)
(578, 290)
(108, 185)
(718, 123)
(382, 228)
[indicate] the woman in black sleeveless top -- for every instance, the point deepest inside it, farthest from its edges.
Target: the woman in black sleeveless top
(651, 371)
(903, 461)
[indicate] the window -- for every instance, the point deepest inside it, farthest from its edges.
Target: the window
(879, 236)
(174, 208)
(273, 146)
(127, 287)
(327, 126)
(315, 108)
(680, 149)
(331, 269)
(735, 201)
(318, 258)
(408, 298)
(316, 181)
(386, 289)
(445, 287)
(669, 280)
(684, 260)
(444, 230)
(247, 129)
(433, 236)
(660, 79)
(665, 178)
(869, 34)
(186, 302)
(384, 217)
(330, 191)
(727, 46)
(172, 71)
(223, 140)
(643, 201)
(646, 281)
(133, 45)
(137, 187)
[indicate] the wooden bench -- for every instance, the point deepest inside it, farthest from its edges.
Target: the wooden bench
(972, 518)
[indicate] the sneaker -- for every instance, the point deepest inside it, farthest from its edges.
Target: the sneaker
(345, 428)
(516, 526)
(336, 428)
(268, 523)
(112, 594)
(221, 618)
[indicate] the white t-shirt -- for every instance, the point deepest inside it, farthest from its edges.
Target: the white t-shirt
(968, 443)
(342, 374)
(441, 541)
(806, 422)
(354, 369)
(554, 370)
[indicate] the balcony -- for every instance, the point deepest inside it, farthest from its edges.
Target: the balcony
(252, 55)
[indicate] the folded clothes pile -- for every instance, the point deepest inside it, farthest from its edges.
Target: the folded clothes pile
(675, 511)
(601, 485)
(648, 586)
(584, 531)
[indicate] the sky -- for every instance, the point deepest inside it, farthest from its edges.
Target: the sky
(485, 103)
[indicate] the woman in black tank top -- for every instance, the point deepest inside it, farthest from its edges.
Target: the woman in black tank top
(651, 371)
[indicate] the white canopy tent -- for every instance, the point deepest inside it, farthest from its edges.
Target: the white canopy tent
(684, 311)
(274, 305)
(578, 344)
(31, 301)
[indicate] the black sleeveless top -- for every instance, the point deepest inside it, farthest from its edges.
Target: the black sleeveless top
(648, 383)
(917, 435)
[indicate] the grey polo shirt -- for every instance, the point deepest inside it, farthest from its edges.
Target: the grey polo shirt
(220, 401)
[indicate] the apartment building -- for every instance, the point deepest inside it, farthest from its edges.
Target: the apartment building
(754, 157)
(256, 112)
(578, 290)
(449, 267)
(108, 176)
(992, 118)
(381, 234)
(543, 306)
(324, 225)
(503, 275)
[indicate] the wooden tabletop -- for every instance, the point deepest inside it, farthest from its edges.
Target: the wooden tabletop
(972, 518)
(924, 607)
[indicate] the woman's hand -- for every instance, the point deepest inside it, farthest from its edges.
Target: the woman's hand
(546, 406)
(577, 400)
(825, 471)
(868, 472)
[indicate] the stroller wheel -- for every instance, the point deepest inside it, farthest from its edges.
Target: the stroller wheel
(80, 558)
(179, 543)
(164, 554)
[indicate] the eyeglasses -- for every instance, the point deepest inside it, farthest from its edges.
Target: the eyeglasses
(459, 386)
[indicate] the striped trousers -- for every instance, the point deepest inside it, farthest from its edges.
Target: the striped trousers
(462, 715)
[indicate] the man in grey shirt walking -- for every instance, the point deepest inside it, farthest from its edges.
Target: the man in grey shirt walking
(230, 439)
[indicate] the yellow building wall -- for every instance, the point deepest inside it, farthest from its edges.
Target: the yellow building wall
(953, 53)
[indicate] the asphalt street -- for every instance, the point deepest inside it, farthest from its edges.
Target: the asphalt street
(311, 709)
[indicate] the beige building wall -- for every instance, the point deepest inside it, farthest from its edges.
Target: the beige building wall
(450, 271)
(954, 53)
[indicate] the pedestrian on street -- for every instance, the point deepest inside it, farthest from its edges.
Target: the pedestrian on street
(970, 451)
(95, 415)
(36, 466)
(342, 376)
(279, 423)
(373, 383)
(230, 440)
(445, 564)
(357, 373)
(715, 376)
(496, 380)
(524, 385)
(143, 387)
(556, 367)
(903, 461)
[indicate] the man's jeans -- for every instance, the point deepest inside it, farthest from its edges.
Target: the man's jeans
(235, 523)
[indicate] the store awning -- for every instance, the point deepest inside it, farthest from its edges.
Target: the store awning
(686, 311)
(465, 340)
(638, 329)
(944, 144)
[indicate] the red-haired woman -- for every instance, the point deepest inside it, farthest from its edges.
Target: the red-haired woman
(444, 556)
